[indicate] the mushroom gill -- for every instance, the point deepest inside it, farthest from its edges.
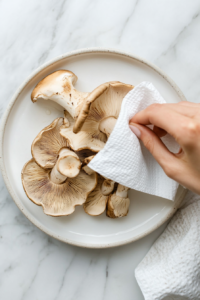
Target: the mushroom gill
(56, 199)
(48, 143)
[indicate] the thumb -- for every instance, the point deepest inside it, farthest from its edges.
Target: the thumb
(155, 146)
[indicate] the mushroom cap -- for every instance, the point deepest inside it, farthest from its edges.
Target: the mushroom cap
(58, 87)
(53, 85)
(56, 199)
(117, 206)
(68, 163)
(107, 187)
(96, 202)
(85, 167)
(48, 143)
(88, 138)
(103, 102)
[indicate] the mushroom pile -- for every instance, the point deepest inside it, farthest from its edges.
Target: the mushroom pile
(58, 176)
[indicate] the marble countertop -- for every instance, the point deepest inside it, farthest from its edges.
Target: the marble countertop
(34, 266)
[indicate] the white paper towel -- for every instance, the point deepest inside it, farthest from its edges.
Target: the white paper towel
(125, 160)
(171, 269)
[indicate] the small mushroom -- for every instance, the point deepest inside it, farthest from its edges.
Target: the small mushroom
(96, 202)
(118, 203)
(107, 186)
(59, 87)
(97, 117)
(56, 199)
(67, 165)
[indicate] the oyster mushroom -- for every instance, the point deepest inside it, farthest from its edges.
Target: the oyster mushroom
(103, 106)
(83, 139)
(118, 203)
(56, 199)
(48, 143)
(59, 87)
(96, 202)
(97, 117)
(107, 186)
(68, 165)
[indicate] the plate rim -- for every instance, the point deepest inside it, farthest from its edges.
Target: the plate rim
(97, 50)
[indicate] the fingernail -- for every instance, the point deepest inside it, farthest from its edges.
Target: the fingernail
(135, 130)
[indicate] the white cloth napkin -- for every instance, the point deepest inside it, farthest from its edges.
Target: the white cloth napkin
(171, 269)
(125, 160)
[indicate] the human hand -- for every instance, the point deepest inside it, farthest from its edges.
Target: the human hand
(182, 121)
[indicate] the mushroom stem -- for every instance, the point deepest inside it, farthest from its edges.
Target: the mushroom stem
(118, 203)
(59, 87)
(67, 165)
(107, 187)
(122, 191)
(106, 125)
(86, 161)
(55, 175)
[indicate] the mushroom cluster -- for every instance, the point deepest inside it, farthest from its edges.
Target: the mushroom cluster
(58, 176)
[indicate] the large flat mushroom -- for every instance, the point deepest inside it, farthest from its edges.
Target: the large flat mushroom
(97, 117)
(57, 199)
(59, 87)
(48, 143)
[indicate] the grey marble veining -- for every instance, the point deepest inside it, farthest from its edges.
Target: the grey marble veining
(34, 266)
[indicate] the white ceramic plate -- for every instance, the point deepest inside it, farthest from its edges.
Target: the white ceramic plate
(23, 120)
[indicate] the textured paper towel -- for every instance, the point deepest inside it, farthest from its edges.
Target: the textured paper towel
(125, 160)
(171, 269)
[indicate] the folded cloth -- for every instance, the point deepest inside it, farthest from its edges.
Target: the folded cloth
(171, 269)
(125, 160)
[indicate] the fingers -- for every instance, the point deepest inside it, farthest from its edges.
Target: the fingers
(163, 117)
(151, 141)
(184, 109)
(189, 104)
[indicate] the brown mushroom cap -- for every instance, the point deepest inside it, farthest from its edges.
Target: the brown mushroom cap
(104, 102)
(96, 202)
(56, 199)
(59, 88)
(48, 143)
(97, 117)
(118, 203)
